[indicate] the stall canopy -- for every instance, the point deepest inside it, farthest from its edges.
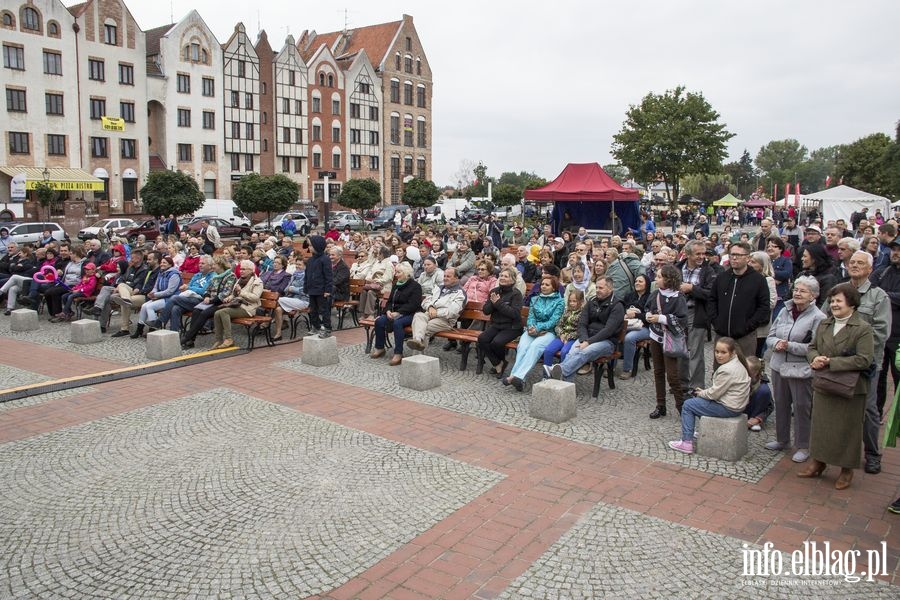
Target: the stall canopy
(759, 203)
(585, 195)
(842, 201)
(728, 200)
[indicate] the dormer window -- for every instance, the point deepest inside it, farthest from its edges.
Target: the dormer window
(31, 21)
(322, 79)
(110, 34)
(53, 29)
(8, 20)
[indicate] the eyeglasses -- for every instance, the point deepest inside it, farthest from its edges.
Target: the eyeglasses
(739, 255)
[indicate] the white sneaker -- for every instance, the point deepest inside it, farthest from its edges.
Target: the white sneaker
(800, 455)
(774, 445)
(556, 372)
(547, 372)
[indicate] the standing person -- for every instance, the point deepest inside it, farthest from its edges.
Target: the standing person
(762, 238)
(836, 435)
(697, 277)
(888, 280)
(667, 313)
(789, 339)
(543, 317)
(846, 247)
(739, 302)
(210, 236)
(816, 263)
(318, 285)
(504, 306)
(759, 262)
(887, 233)
(782, 271)
(288, 226)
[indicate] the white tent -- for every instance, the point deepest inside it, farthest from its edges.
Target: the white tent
(842, 201)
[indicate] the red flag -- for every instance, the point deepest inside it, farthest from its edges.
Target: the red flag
(828, 181)
(797, 195)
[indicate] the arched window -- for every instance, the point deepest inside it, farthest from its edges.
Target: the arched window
(322, 79)
(30, 19)
(331, 81)
(204, 55)
(53, 29)
(418, 66)
(8, 19)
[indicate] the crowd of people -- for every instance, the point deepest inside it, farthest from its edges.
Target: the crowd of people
(802, 314)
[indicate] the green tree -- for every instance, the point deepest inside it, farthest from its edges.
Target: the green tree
(420, 192)
(171, 193)
(506, 194)
(742, 174)
(861, 164)
(535, 182)
(617, 172)
(270, 194)
(779, 161)
(361, 194)
(45, 195)
(891, 166)
(708, 188)
(669, 136)
(479, 186)
(813, 171)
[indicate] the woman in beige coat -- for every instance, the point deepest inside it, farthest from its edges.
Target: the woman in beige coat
(843, 342)
(245, 298)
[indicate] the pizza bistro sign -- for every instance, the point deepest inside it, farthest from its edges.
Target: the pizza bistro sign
(20, 184)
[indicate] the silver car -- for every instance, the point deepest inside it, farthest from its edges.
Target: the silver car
(31, 233)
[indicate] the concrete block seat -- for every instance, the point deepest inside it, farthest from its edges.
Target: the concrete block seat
(725, 439)
(553, 400)
(420, 372)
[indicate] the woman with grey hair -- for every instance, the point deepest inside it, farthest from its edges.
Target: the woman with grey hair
(761, 263)
(789, 339)
(243, 301)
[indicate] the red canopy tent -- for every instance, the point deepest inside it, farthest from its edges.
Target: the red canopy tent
(589, 195)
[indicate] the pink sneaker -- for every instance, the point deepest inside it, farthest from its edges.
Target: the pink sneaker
(682, 446)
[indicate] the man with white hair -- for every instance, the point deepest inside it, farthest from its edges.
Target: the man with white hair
(875, 309)
(846, 247)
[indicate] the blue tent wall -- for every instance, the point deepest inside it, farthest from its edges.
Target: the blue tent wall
(593, 214)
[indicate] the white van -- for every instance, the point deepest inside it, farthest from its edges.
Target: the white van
(223, 209)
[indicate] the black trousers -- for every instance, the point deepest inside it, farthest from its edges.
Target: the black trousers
(493, 340)
(53, 296)
(319, 312)
(890, 350)
(198, 319)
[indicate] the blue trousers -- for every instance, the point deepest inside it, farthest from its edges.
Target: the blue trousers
(176, 308)
(630, 347)
(398, 324)
(700, 407)
(576, 358)
(528, 351)
(557, 345)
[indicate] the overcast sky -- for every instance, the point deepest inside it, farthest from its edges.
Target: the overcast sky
(535, 85)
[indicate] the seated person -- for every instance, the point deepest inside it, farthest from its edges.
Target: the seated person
(340, 275)
(277, 279)
(566, 331)
(727, 397)
(379, 277)
(85, 288)
(191, 262)
(636, 308)
(189, 295)
(442, 309)
(22, 279)
(598, 330)
(404, 302)
(504, 307)
(543, 316)
(219, 288)
(167, 282)
(760, 405)
(134, 274)
(244, 299)
(293, 298)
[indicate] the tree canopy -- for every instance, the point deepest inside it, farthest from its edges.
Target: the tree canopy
(669, 136)
(420, 192)
(861, 164)
(361, 194)
(780, 160)
(256, 193)
(617, 172)
(506, 194)
(171, 193)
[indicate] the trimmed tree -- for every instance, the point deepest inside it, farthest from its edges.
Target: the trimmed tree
(45, 195)
(271, 194)
(171, 193)
(361, 194)
(506, 194)
(420, 193)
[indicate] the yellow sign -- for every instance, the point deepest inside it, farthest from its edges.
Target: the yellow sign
(69, 186)
(113, 123)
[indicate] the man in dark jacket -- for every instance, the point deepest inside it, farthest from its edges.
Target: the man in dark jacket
(319, 284)
(698, 277)
(598, 331)
(402, 305)
(888, 279)
(340, 275)
(739, 302)
(132, 278)
(132, 296)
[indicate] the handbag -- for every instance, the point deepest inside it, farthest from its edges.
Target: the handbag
(835, 383)
(673, 345)
(634, 324)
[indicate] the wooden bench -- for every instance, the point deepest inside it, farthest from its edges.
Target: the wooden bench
(352, 304)
(260, 323)
(645, 346)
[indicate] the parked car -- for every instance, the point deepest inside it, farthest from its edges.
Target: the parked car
(312, 214)
(342, 219)
(300, 220)
(473, 215)
(108, 225)
(385, 218)
(31, 233)
(223, 209)
(226, 229)
(149, 229)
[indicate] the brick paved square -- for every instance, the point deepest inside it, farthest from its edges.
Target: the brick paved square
(213, 495)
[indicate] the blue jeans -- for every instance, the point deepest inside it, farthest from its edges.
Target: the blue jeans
(557, 345)
(381, 325)
(700, 407)
(576, 358)
(528, 351)
(630, 347)
(176, 309)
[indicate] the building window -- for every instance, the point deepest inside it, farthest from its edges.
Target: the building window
(262, 88)
(209, 119)
(236, 130)
(407, 166)
(364, 88)
(52, 63)
(109, 35)
(184, 152)
(96, 69)
(286, 135)
(354, 110)
(99, 147)
(420, 171)
(56, 145)
(373, 113)
(355, 136)
(209, 87)
(418, 66)
(209, 188)
(331, 81)
(14, 57)
(317, 160)
(30, 20)
(316, 133)
(298, 107)
(8, 20)
(286, 106)
(408, 44)
(209, 153)
(317, 105)
(285, 164)
(397, 61)
(18, 143)
(336, 160)
(395, 167)
(241, 68)
(292, 77)
(15, 100)
(184, 117)
(407, 93)
(373, 138)
(298, 135)
(395, 129)
(322, 79)
(336, 134)
(335, 107)
(420, 134)
(420, 96)
(54, 103)
(126, 74)
(407, 131)
(53, 29)
(129, 148)
(236, 99)
(395, 90)
(248, 100)
(374, 163)
(407, 64)
(298, 164)
(98, 108)
(235, 162)
(248, 162)
(355, 162)
(184, 83)
(251, 135)
(264, 117)
(126, 111)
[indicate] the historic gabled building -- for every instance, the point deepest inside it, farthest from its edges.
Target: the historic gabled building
(243, 143)
(326, 122)
(364, 102)
(291, 109)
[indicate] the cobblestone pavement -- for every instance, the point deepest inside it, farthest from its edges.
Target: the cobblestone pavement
(617, 421)
(614, 553)
(213, 495)
(11, 377)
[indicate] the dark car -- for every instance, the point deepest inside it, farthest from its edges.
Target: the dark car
(312, 214)
(225, 229)
(473, 215)
(149, 229)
